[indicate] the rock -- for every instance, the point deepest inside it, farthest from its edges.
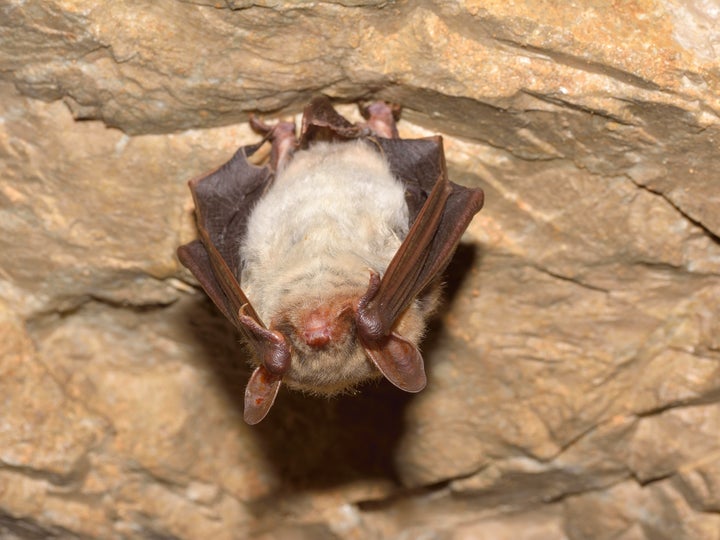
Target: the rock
(47, 440)
(630, 511)
(573, 379)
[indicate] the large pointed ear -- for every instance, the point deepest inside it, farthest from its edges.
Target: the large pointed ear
(399, 361)
(270, 347)
(260, 394)
(421, 258)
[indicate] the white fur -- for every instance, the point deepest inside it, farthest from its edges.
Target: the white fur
(335, 212)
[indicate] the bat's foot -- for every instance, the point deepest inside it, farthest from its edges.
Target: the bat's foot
(381, 118)
(282, 137)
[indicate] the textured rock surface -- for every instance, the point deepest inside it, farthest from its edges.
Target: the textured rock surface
(574, 381)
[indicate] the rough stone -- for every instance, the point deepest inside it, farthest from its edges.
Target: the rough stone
(573, 370)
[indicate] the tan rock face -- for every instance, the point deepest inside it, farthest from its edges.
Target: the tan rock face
(573, 372)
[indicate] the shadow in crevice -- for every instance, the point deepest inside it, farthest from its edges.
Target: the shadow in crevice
(315, 442)
(467, 256)
(311, 442)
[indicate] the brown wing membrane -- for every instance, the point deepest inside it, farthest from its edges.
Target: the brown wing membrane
(418, 163)
(424, 253)
(419, 261)
(196, 259)
(222, 199)
(222, 202)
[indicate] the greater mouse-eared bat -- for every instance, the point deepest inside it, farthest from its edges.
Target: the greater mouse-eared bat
(328, 258)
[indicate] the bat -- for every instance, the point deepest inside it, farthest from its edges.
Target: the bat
(328, 258)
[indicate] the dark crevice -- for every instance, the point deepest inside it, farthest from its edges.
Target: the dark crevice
(73, 306)
(576, 107)
(699, 224)
(587, 66)
(376, 505)
(25, 528)
(710, 398)
(569, 279)
(134, 308)
(645, 482)
(72, 478)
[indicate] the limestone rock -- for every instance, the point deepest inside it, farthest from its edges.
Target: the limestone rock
(573, 371)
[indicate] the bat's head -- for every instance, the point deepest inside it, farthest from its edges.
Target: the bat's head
(327, 357)
(325, 347)
(327, 353)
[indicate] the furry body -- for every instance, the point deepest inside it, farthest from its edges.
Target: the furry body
(332, 215)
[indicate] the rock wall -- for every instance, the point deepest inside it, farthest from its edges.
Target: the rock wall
(573, 372)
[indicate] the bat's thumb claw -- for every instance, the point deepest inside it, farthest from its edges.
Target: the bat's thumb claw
(371, 327)
(270, 346)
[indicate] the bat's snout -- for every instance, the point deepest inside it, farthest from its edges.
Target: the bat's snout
(318, 333)
(324, 325)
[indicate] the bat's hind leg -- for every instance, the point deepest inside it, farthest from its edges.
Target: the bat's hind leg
(283, 138)
(381, 118)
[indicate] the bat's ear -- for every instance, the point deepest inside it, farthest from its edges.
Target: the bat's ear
(260, 394)
(274, 352)
(400, 361)
(396, 357)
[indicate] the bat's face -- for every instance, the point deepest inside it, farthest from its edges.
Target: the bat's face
(327, 356)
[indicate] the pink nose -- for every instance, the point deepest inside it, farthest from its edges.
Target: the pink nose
(317, 336)
(317, 327)
(326, 324)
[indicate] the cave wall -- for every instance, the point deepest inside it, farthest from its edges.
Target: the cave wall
(573, 371)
